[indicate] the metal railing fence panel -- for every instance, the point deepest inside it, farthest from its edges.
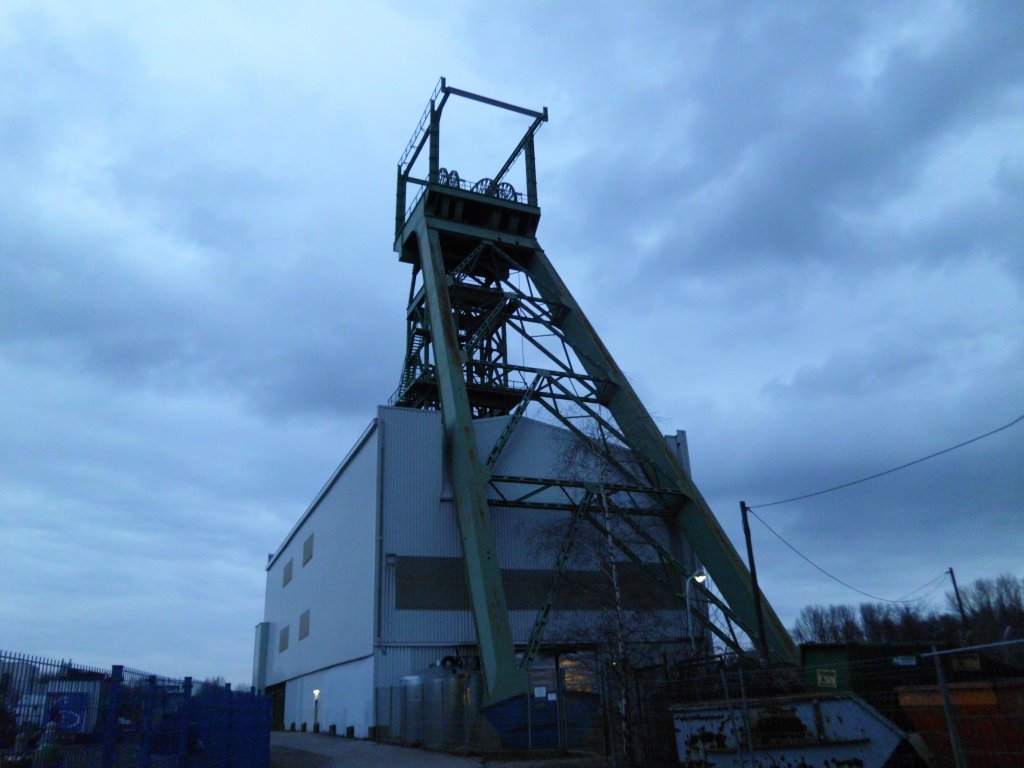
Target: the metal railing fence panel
(59, 714)
(443, 711)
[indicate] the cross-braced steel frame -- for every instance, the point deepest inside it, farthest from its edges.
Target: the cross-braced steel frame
(481, 281)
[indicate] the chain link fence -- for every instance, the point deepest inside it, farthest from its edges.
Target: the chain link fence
(56, 714)
(881, 706)
(442, 709)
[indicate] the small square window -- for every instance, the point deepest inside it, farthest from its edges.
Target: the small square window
(282, 641)
(307, 550)
(287, 575)
(304, 625)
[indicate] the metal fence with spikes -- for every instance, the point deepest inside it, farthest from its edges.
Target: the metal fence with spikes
(59, 714)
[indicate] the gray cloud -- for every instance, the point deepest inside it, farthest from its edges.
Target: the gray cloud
(798, 229)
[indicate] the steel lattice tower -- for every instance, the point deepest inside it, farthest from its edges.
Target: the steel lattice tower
(479, 278)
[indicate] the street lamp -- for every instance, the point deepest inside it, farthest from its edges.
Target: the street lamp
(316, 710)
(699, 577)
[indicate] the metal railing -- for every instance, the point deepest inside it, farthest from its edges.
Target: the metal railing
(57, 714)
(421, 126)
(442, 709)
(501, 190)
(427, 374)
(419, 373)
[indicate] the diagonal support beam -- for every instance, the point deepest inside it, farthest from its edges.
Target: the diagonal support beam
(502, 676)
(533, 643)
(515, 416)
(696, 520)
(623, 547)
(527, 138)
(667, 558)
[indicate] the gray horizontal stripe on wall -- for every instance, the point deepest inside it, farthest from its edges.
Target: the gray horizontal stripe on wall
(439, 584)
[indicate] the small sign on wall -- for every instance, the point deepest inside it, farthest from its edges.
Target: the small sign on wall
(827, 678)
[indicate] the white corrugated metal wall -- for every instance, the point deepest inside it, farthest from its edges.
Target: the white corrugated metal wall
(319, 609)
(390, 499)
(418, 519)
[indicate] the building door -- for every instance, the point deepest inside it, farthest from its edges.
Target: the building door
(276, 694)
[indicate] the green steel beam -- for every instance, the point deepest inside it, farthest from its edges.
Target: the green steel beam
(495, 103)
(527, 139)
(555, 506)
(541, 621)
(502, 676)
(625, 549)
(514, 417)
(571, 483)
(696, 520)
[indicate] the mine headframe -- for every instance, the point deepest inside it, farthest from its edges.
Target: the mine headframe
(493, 330)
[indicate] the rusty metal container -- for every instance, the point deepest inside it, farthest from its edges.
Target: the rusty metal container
(803, 730)
(989, 718)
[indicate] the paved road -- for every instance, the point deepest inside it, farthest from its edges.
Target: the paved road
(312, 750)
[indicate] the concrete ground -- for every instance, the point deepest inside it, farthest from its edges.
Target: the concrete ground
(314, 750)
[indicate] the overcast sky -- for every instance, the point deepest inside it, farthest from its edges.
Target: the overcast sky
(797, 226)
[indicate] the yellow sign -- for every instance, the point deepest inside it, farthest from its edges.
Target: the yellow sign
(827, 678)
(970, 662)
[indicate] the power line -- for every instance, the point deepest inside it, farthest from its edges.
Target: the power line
(937, 582)
(888, 471)
(845, 584)
(931, 591)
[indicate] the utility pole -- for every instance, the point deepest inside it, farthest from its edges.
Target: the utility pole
(761, 639)
(959, 600)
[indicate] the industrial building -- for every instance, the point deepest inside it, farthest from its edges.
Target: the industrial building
(516, 495)
(369, 587)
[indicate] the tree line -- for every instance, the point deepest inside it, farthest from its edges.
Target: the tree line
(993, 610)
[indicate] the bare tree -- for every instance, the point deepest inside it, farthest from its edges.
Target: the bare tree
(603, 598)
(827, 624)
(993, 608)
